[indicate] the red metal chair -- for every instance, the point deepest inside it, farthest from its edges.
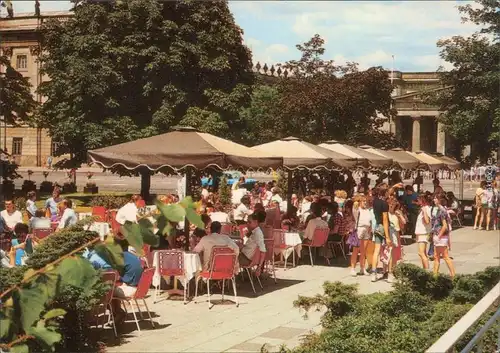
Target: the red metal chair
(171, 263)
(109, 277)
(146, 259)
(100, 213)
(227, 229)
(280, 243)
(255, 263)
(319, 240)
(222, 263)
(140, 294)
(269, 258)
(339, 244)
(41, 233)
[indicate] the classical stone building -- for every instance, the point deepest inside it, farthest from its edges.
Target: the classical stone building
(415, 124)
(20, 41)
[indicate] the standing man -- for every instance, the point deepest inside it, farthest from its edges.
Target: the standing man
(411, 201)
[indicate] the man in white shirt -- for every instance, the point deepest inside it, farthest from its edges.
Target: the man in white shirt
(69, 217)
(315, 223)
(242, 211)
(204, 247)
(218, 215)
(11, 216)
(254, 243)
(129, 212)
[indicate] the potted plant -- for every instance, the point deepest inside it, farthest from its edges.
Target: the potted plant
(46, 186)
(90, 187)
(28, 185)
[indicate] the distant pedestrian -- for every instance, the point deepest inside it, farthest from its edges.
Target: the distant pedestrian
(49, 162)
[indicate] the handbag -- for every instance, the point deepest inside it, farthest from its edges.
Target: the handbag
(353, 240)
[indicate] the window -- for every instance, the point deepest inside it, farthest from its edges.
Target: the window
(17, 146)
(54, 147)
(22, 62)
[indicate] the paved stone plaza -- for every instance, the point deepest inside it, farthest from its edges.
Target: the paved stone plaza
(270, 318)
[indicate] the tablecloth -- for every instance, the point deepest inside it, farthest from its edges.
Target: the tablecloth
(192, 265)
(102, 228)
(83, 215)
(293, 243)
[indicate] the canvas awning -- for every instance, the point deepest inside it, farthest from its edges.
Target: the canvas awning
(298, 154)
(399, 156)
(449, 162)
(366, 158)
(181, 148)
(429, 161)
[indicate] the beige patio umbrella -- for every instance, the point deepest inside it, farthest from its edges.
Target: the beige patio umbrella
(399, 156)
(185, 147)
(426, 159)
(362, 156)
(298, 154)
(449, 162)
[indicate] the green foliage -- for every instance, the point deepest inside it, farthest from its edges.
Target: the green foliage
(470, 104)
(17, 102)
(224, 192)
(408, 319)
(11, 276)
(138, 68)
(20, 203)
(282, 183)
(321, 100)
(111, 202)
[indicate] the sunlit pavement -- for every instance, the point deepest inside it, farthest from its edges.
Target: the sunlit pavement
(270, 318)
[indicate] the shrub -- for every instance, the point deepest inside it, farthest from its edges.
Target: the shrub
(69, 188)
(420, 309)
(11, 276)
(224, 192)
(109, 201)
(20, 203)
(46, 186)
(28, 185)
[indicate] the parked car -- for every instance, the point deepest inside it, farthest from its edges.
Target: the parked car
(231, 177)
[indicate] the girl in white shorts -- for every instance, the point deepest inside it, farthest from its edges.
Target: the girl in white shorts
(423, 229)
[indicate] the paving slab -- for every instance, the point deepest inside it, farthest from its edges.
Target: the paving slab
(270, 316)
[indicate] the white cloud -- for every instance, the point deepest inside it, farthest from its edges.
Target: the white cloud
(267, 54)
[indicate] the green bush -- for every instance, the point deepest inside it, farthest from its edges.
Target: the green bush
(224, 192)
(419, 310)
(109, 201)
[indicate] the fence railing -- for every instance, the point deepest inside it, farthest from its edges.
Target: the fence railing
(448, 341)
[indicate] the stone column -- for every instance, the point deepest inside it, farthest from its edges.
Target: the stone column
(415, 140)
(441, 139)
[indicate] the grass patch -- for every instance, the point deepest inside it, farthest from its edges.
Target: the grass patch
(79, 199)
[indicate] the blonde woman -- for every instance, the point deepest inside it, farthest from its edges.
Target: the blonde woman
(423, 229)
(363, 226)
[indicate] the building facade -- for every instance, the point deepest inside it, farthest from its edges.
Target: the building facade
(415, 124)
(20, 42)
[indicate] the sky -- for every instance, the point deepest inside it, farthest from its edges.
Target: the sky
(367, 32)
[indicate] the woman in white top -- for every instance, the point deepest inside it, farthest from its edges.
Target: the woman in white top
(423, 229)
(481, 204)
(364, 229)
(129, 212)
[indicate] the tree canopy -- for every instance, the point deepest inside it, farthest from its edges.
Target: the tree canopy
(322, 100)
(471, 104)
(16, 100)
(129, 69)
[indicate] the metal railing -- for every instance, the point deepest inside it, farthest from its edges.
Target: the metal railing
(448, 341)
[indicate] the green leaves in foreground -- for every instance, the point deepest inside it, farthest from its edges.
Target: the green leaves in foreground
(22, 311)
(175, 213)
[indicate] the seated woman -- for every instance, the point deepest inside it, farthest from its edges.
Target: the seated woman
(290, 220)
(315, 223)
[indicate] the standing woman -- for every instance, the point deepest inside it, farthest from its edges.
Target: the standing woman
(363, 226)
(381, 231)
(441, 234)
(423, 229)
(480, 197)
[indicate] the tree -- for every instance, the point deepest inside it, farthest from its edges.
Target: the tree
(129, 69)
(321, 100)
(471, 102)
(16, 100)
(263, 120)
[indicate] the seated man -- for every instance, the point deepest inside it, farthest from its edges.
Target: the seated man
(316, 222)
(254, 243)
(132, 273)
(69, 217)
(11, 216)
(204, 247)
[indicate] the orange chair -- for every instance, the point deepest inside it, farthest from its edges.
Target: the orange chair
(269, 258)
(222, 263)
(255, 263)
(319, 240)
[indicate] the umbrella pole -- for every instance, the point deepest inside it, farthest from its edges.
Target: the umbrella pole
(289, 191)
(187, 193)
(145, 184)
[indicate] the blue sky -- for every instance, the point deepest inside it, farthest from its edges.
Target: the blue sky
(367, 32)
